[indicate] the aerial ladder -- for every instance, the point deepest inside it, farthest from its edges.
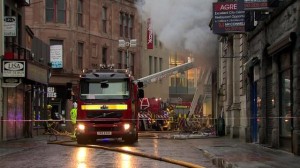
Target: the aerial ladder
(166, 73)
(200, 93)
(156, 77)
(199, 96)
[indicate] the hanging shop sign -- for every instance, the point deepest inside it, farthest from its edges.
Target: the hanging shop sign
(13, 68)
(11, 82)
(228, 17)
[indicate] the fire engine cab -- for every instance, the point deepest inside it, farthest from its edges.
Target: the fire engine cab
(108, 105)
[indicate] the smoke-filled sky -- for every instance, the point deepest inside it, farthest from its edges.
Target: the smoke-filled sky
(182, 24)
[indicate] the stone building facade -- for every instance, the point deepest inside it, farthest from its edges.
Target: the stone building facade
(264, 80)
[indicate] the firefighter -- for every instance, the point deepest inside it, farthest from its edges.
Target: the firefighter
(73, 115)
(48, 120)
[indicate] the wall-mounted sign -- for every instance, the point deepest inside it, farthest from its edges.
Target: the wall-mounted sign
(259, 4)
(56, 56)
(228, 17)
(10, 26)
(11, 82)
(37, 73)
(13, 68)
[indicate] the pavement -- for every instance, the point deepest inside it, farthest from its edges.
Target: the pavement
(224, 152)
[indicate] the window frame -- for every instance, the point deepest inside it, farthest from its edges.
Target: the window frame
(80, 53)
(104, 19)
(80, 13)
(55, 11)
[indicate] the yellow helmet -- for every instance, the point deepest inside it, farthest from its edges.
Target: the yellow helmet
(49, 106)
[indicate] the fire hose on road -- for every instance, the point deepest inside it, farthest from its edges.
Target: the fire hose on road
(169, 160)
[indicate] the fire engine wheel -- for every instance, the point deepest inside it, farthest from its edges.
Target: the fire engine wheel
(82, 140)
(130, 139)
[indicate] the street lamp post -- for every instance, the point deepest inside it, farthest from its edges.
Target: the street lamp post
(123, 44)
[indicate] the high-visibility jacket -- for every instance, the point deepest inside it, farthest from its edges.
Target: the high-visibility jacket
(73, 114)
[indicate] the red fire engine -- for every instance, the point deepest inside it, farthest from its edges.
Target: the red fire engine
(108, 105)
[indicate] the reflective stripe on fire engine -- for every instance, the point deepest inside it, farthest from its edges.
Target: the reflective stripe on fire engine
(104, 107)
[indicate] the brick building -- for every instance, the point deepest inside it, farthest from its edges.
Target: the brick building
(82, 35)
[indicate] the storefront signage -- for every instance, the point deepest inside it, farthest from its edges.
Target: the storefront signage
(149, 34)
(56, 56)
(51, 92)
(12, 68)
(10, 26)
(259, 4)
(11, 82)
(37, 73)
(228, 17)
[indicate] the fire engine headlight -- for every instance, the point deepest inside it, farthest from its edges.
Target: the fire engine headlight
(80, 127)
(126, 126)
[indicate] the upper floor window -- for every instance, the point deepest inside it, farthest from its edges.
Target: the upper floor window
(130, 26)
(125, 23)
(80, 47)
(104, 19)
(121, 16)
(80, 13)
(56, 11)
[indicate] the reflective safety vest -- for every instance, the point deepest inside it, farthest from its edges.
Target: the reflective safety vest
(73, 114)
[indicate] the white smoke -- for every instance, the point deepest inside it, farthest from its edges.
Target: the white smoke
(182, 24)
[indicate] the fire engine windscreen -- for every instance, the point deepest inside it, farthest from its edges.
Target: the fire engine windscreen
(104, 89)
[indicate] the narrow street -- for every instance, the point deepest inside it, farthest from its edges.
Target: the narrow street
(150, 144)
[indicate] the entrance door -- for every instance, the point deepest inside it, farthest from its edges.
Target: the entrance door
(254, 126)
(269, 110)
(56, 110)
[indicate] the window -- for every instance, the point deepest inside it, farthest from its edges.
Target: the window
(155, 64)
(94, 50)
(160, 64)
(80, 55)
(132, 63)
(108, 89)
(104, 55)
(104, 19)
(121, 23)
(80, 13)
(130, 26)
(125, 24)
(120, 59)
(150, 65)
(56, 11)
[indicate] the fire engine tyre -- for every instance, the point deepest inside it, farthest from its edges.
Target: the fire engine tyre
(82, 140)
(130, 139)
